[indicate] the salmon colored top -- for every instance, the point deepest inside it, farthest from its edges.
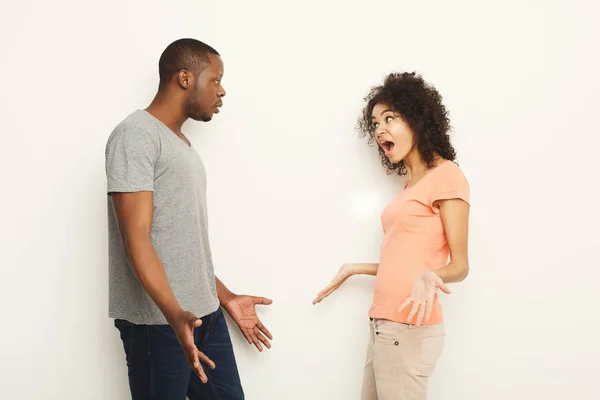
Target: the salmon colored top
(414, 241)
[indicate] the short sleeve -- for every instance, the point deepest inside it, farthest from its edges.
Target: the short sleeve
(452, 184)
(130, 159)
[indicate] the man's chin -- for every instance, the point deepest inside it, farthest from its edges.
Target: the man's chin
(203, 117)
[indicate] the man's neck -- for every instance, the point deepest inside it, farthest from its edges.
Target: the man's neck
(169, 112)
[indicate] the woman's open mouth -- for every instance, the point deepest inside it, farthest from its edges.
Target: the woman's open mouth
(387, 146)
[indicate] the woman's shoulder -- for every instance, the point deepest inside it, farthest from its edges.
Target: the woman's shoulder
(451, 169)
(448, 174)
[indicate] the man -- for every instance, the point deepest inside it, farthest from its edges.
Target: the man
(163, 295)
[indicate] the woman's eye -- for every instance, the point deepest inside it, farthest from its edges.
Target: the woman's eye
(388, 118)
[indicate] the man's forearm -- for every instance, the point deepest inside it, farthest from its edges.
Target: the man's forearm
(225, 295)
(151, 274)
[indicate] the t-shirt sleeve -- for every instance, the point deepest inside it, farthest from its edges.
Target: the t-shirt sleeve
(130, 159)
(451, 185)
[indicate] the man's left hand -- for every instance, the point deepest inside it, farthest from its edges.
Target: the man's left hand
(242, 310)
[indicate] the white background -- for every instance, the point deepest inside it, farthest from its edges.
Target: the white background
(294, 192)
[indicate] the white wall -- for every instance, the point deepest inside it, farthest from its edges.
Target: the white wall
(294, 193)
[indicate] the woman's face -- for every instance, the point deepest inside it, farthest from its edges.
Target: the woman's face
(392, 133)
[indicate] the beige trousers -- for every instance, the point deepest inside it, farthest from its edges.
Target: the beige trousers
(400, 360)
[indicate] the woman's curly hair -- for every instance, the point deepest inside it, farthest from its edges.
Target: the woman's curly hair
(421, 107)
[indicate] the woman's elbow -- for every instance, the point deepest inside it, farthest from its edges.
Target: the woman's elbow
(464, 271)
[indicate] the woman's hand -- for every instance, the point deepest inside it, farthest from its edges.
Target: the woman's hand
(344, 273)
(423, 295)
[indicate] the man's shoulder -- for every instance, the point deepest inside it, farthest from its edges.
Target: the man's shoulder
(136, 126)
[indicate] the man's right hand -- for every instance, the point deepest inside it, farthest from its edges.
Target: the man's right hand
(184, 325)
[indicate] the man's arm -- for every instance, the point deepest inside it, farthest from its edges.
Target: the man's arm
(134, 218)
(242, 309)
(225, 295)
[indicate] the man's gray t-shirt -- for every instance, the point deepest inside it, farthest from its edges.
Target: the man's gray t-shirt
(142, 154)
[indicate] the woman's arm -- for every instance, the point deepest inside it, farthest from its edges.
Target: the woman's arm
(455, 218)
(345, 272)
(362, 268)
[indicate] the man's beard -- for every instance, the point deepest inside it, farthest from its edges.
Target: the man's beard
(196, 113)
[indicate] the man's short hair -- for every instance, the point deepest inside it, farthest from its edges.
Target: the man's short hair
(188, 54)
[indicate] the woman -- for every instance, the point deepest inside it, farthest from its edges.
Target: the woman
(425, 237)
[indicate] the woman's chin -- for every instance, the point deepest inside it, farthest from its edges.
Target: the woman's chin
(394, 160)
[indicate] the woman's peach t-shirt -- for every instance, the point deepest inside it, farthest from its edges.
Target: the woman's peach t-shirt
(414, 240)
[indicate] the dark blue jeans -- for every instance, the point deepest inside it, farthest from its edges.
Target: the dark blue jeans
(158, 369)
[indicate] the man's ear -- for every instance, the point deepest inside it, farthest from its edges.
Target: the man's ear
(184, 78)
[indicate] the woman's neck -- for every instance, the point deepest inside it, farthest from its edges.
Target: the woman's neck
(416, 167)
